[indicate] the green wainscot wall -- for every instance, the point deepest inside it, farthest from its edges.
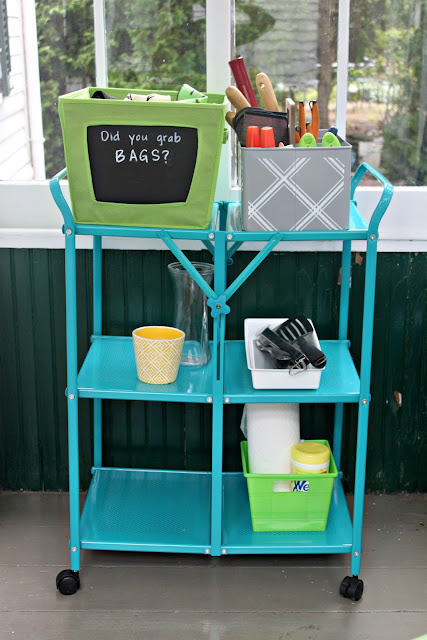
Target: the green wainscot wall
(137, 291)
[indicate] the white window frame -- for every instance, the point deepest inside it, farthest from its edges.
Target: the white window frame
(29, 218)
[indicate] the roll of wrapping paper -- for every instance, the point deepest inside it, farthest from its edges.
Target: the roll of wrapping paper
(151, 97)
(194, 100)
(187, 92)
(242, 80)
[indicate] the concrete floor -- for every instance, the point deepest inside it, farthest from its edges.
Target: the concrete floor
(166, 596)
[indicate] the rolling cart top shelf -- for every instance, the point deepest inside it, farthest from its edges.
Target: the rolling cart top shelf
(358, 229)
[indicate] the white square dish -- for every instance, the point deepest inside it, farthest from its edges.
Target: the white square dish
(264, 374)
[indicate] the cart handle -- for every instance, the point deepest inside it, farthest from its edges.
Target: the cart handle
(58, 196)
(386, 195)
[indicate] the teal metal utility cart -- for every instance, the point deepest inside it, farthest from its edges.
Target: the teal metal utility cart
(208, 512)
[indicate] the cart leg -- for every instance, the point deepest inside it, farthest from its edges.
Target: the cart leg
(342, 335)
(97, 330)
(68, 580)
(345, 289)
(216, 509)
(220, 258)
(73, 444)
(359, 488)
(338, 423)
(97, 432)
(97, 285)
(354, 588)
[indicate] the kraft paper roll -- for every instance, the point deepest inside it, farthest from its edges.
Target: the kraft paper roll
(151, 97)
(271, 430)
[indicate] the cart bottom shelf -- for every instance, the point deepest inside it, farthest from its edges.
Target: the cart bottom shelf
(169, 511)
(141, 510)
(239, 537)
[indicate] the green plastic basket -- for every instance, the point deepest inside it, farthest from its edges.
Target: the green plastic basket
(96, 162)
(304, 510)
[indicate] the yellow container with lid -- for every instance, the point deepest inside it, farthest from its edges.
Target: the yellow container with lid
(310, 457)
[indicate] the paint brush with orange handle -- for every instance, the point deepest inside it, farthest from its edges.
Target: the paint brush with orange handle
(314, 118)
(301, 118)
(290, 110)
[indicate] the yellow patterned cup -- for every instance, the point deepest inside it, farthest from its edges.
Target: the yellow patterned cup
(157, 353)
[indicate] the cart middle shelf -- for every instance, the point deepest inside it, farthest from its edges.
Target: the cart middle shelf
(109, 372)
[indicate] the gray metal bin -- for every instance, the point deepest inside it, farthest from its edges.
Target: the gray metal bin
(296, 188)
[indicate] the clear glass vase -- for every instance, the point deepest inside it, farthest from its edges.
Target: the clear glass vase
(191, 312)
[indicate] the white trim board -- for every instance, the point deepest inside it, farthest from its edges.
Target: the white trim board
(54, 239)
(30, 218)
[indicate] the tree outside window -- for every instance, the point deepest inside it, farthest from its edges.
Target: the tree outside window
(161, 44)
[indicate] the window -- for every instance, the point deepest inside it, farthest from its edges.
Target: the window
(65, 34)
(295, 44)
(157, 44)
(387, 90)
(164, 43)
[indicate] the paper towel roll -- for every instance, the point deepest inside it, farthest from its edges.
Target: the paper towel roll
(271, 430)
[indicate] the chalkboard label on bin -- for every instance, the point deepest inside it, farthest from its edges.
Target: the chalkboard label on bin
(141, 164)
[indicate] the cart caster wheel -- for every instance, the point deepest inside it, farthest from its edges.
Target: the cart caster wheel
(351, 587)
(68, 582)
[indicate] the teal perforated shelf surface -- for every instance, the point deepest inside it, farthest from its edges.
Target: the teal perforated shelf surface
(339, 381)
(109, 371)
(238, 536)
(140, 510)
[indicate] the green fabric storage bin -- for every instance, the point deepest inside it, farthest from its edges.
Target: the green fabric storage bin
(289, 511)
(142, 164)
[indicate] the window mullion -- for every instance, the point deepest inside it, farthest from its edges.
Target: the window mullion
(100, 43)
(342, 65)
(218, 44)
(5, 64)
(218, 54)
